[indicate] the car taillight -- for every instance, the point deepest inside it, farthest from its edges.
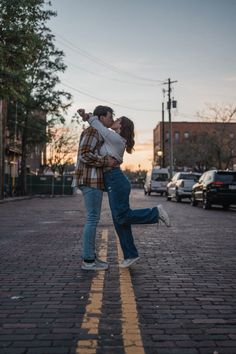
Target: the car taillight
(215, 184)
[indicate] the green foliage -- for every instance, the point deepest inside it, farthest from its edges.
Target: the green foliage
(29, 67)
(29, 60)
(19, 44)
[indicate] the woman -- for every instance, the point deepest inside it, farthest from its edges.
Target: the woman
(116, 140)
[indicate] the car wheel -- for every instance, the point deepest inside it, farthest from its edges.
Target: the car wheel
(193, 201)
(178, 198)
(206, 204)
(225, 206)
(168, 198)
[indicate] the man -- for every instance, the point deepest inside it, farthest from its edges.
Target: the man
(118, 187)
(89, 176)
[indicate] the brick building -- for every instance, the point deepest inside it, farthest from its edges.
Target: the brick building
(12, 152)
(181, 131)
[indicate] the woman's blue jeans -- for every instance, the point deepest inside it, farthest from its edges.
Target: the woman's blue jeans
(93, 202)
(118, 189)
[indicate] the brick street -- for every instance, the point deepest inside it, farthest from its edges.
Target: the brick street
(179, 298)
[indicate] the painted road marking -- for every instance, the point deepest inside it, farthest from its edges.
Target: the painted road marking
(132, 339)
(94, 308)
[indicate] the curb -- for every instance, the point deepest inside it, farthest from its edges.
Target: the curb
(19, 199)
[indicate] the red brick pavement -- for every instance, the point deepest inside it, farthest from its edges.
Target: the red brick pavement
(184, 284)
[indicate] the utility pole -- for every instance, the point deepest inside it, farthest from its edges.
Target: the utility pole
(169, 82)
(1, 152)
(163, 130)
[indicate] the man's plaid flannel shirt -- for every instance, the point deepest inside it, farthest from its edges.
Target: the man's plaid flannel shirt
(90, 165)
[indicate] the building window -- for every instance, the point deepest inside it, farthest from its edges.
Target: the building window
(167, 136)
(177, 136)
(186, 135)
(231, 135)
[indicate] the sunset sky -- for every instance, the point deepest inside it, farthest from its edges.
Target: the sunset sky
(119, 53)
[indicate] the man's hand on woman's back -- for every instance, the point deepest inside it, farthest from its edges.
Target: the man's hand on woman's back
(112, 162)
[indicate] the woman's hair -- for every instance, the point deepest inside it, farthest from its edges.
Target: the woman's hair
(127, 132)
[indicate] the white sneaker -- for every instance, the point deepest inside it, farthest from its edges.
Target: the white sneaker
(100, 261)
(163, 216)
(127, 262)
(96, 265)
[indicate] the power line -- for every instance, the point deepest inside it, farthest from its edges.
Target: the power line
(111, 79)
(102, 62)
(111, 103)
(182, 114)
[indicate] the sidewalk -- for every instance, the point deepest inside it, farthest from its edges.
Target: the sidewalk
(14, 199)
(27, 197)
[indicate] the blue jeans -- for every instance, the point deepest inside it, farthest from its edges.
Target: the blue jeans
(118, 189)
(93, 202)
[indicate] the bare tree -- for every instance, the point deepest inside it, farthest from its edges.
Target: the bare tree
(218, 113)
(62, 147)
(196, 152)
(223, 138)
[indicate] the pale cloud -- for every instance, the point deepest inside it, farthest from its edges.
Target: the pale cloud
(231, 78)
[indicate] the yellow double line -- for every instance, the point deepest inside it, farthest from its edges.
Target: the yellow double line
(132, 339)
(130, 329)
(94, 308)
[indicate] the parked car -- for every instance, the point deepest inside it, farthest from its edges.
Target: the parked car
(180, 186)
(156, 180)
(215, 187)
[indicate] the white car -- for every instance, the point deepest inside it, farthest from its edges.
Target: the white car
(156, 181)
(180, 186)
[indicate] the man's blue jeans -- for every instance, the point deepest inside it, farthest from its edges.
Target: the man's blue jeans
(93, 202)
(118, 189)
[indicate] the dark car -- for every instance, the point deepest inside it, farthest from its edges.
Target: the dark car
(215, 187)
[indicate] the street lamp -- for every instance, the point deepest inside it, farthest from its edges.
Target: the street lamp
(160, 155)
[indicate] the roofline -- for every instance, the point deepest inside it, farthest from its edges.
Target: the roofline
(190, 122)
(200, 122)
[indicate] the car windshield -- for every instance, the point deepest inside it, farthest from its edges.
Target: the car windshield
(159, 176)
(188, 176)
(225, 177)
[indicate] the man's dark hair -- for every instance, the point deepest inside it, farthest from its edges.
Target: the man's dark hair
(102, 111)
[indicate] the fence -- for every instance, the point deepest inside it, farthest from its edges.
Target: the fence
(45, 185)
(40, 184)
(50, 185)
